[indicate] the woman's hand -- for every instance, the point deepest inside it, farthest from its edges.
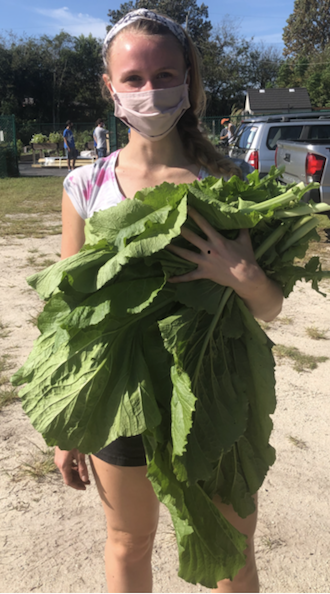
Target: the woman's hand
(73, 468)
(230, 263)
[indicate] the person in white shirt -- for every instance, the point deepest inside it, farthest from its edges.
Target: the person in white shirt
(100, 137)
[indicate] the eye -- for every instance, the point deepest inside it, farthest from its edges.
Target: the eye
(164, 75)
(132, 78)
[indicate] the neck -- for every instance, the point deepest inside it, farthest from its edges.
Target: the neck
(167, 152)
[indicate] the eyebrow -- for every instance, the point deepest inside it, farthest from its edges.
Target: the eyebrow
(136, 70)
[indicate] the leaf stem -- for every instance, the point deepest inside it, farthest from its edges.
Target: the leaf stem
(299, 233)
(271, 240)
(212, 326)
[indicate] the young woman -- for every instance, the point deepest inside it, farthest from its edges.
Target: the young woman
(153, 77)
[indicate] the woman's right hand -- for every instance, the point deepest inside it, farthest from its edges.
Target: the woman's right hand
(73, 468)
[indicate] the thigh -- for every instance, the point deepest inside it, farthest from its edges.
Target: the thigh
(128, 499)
(246, 525)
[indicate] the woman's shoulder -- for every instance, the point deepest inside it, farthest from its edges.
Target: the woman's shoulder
(92, 172)
(93, 187)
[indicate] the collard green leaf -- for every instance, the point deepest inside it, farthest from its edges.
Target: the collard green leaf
(210, 548)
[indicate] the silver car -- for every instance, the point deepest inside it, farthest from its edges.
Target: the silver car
(256, 138)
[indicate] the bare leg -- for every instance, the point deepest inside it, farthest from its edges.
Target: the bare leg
(132, 509)
(247, 578)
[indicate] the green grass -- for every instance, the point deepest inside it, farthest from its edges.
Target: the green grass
(29, 206)
(4, 366)
(7, 397)
(4, 332)
(286, 320)
(41, 464)
(33, 320)
(315, 333)
(301, 361)
(298, 443)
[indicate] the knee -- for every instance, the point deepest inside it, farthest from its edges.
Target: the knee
(129, 549)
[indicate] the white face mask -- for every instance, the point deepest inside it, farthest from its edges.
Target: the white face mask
(153, 114)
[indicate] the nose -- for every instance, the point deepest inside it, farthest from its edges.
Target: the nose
(149, 85)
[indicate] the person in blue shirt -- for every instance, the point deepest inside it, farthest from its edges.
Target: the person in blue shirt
(69, 145)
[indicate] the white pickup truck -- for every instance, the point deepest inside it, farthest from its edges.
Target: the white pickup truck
(307, 161)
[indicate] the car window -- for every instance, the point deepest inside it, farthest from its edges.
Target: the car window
(277, 133)
(245, 139)
(319, 132)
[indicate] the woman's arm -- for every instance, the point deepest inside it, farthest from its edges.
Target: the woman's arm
(73, 234)
(232, 264)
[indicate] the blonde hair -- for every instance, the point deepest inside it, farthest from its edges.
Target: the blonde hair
(197, 147)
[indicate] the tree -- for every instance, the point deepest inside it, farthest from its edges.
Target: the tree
(57, 52)
(86, 66)
(233, 65)
(308, 28)
(182, 11)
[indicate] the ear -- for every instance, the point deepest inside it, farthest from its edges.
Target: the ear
(107, 83)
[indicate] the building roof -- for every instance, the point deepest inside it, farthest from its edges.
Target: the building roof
(278, 99)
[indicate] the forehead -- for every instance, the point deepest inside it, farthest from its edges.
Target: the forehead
(133, 49)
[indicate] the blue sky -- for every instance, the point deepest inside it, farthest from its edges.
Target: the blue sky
(260, 19)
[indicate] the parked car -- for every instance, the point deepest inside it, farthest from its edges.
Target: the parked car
(307, 161)
(257, 137)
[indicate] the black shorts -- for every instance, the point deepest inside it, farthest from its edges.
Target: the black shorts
(124, 451)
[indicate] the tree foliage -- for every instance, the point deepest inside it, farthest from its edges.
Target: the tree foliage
(308, 28)
(185, 11)
(51, 79)
(307, 49)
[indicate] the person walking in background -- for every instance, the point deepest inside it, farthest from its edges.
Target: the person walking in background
(100, 137)
(224, 131)
(69, 145)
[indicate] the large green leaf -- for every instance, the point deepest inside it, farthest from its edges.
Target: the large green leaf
(210, 548)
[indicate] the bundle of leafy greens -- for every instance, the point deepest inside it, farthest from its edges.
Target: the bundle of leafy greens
(122, 352)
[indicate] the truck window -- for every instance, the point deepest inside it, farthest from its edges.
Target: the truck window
(277, 133)
(245, 139)
(319, 132)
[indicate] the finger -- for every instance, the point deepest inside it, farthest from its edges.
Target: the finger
(195, 239)
(185, 254)
(244, 235)
(202, 223)
(82, 469)
(68, 469)
(183, 278)
(75, 481)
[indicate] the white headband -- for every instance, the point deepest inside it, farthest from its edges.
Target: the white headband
(136, 15)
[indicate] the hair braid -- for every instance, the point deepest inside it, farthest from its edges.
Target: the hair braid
(199, 149)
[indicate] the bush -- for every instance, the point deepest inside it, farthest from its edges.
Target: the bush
(80, 138)
(39, 139)
(19, 147)
(55, 137)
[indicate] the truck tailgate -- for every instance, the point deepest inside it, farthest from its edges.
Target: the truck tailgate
(306, 162)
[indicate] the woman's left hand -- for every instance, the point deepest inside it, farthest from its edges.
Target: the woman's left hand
(230, 263)
(227, 262)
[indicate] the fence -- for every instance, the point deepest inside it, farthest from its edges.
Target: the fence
(8, 150)
(83, 131)
(211, 124)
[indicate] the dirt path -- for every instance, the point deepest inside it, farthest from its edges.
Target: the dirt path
(52, 538)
